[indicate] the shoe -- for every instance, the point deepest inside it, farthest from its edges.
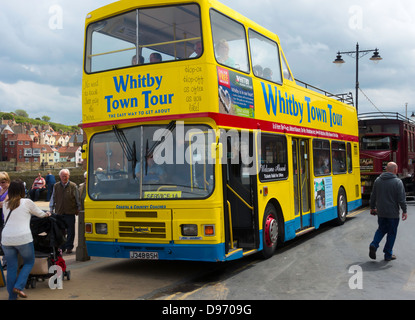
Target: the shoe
(372, 252)
(69, 251)
(393, 257)
(20, 293)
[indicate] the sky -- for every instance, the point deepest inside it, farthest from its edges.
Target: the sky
(41, 50)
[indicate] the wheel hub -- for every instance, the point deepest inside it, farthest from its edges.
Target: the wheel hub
(271, 231)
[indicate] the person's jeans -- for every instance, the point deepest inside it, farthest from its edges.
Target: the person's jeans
(27, 252)
(50, 191)
(389, 227)
(34, 194)
(70, 236)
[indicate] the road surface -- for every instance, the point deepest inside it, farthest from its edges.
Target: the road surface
(329, 263)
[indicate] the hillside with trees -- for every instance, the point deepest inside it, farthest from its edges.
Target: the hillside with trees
(21, 116)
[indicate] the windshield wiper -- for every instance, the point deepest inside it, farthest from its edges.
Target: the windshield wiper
(129, 152)
(122, 140)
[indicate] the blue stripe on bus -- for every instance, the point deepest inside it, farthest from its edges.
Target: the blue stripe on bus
(317, 218)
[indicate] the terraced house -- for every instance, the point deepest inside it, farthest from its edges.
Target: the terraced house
(27, 147)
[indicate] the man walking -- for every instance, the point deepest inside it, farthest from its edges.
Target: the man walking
(65, 201)
(387, 196)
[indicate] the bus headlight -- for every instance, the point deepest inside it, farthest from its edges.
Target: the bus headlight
(101, 228)
(189, 229)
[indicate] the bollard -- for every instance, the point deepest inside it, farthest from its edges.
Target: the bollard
(81, 252)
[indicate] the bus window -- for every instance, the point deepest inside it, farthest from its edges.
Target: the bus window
(111, 43)
(376, 143)
(154, 35)
(273, 158)
(349, 158)
(229, 42)
(150, 162)
(321, 151)
(265, 57)
(338, 152)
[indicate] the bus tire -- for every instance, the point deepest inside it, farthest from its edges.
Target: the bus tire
(341, 207)
(269, 231)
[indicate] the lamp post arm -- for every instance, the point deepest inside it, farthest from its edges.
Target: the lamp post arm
(357, 54)
(360, 53)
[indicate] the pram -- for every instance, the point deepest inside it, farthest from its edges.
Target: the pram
(48, 236)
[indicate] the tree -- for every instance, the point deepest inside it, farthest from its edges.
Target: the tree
(22, 113)
(46, 118)
(7, 116)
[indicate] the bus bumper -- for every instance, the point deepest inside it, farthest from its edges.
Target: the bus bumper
(209, 253)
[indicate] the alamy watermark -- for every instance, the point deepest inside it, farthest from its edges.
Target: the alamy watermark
(356, 17)
(56, 281)
(356, 280)
(56, 17)
(197, 146)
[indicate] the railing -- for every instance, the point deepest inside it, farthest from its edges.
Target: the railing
(384, 115)
(343, 97)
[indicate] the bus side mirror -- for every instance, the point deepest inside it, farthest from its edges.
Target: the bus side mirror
(84, 151)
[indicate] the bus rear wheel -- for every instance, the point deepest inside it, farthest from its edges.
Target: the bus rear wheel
(341, 207)
(270, 231)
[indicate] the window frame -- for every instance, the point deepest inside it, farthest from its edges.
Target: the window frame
(148, 131)
(349, 156)
(278, 56)
(316, 155)
(263, 156)
(248, 65)
(88, 69)
(335, 152)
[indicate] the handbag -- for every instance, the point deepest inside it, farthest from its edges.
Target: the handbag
(7, 219)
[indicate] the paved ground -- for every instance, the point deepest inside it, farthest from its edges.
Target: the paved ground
(329, 263)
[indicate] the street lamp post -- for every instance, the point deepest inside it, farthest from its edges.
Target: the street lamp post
(358, 54)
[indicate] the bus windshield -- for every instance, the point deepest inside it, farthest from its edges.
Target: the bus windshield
(376, 143)
(151, 162)
(142, 36)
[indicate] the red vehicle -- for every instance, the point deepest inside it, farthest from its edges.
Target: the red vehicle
(386, 137)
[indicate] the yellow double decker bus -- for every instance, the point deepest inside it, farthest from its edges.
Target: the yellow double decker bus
(201, 144)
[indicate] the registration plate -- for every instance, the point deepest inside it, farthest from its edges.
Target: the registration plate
(141, 255)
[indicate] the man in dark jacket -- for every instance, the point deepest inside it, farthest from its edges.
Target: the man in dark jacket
(65, 202)
(387, 196)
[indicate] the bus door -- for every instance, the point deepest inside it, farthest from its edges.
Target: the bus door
(301, 177)
(240, 202)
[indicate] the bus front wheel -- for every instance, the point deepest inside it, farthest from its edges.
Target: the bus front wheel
(270, 231)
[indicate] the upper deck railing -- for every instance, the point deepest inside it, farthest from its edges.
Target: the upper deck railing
(343, 97)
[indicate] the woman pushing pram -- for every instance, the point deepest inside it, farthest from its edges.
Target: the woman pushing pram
(48, 236)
